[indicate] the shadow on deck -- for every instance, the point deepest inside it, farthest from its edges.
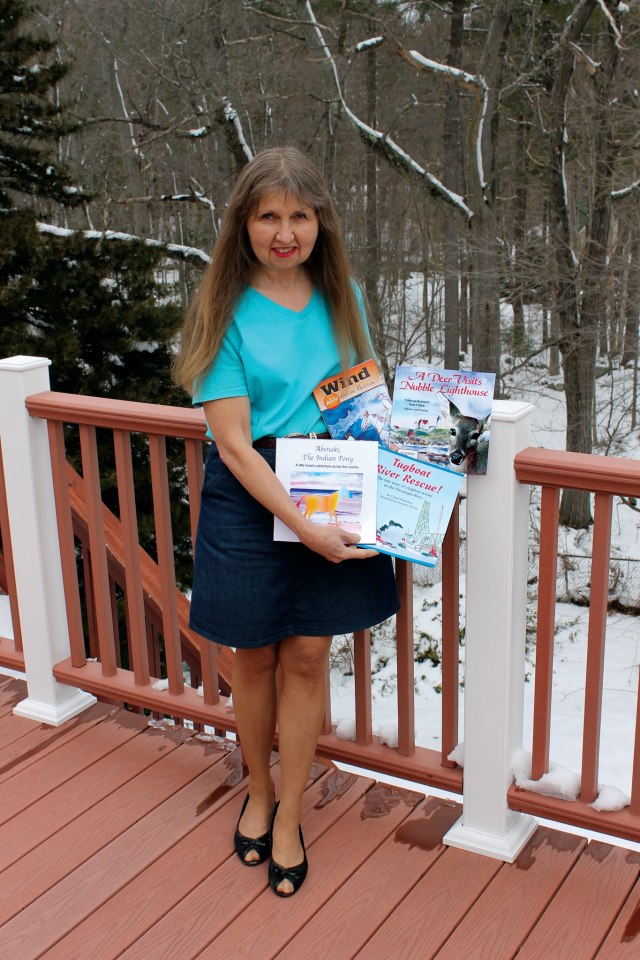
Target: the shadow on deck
(115, 841)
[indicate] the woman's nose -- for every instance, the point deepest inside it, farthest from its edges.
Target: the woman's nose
(285, 230)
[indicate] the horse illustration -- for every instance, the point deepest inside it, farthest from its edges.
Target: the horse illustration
(322, 503)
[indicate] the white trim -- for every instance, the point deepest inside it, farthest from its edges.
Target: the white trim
(55, 714)
(34, 540)
(496, 596)
(506, 847)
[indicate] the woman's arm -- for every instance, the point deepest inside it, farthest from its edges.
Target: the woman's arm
(230, 422)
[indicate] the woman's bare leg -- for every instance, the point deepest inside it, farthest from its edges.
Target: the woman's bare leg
(254, 704)
(303, 664)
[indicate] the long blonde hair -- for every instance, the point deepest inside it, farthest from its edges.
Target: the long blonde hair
(227, 276)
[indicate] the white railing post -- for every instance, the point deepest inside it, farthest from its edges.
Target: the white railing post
(34, 537)
(496, 596)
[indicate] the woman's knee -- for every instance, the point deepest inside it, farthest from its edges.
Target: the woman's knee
(257, 662)
(305, 657)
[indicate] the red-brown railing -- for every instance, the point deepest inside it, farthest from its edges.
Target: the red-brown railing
(11, 654)
(604, 477)
(111, 555)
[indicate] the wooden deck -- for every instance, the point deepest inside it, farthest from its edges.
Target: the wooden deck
(115, 841)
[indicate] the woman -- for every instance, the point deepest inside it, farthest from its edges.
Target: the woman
(276, 313)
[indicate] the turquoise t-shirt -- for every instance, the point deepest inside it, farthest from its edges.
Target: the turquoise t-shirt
(275, 356)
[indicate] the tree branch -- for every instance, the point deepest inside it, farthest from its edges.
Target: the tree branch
(175, 250)
(391, 151)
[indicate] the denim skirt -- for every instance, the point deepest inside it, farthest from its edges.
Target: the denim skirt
(251, 591)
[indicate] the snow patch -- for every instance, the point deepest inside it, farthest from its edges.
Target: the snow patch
(388, 734)
(557, 782)
(457, 754)
(610, 798)
(346, 729)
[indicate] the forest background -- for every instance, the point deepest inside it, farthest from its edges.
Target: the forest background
(484, 157)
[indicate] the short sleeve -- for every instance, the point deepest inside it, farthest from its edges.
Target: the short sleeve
(226, 375)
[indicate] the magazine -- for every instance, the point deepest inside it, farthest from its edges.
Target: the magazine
(329, 481)
(443, 417)
(355, 404)
(414, 506)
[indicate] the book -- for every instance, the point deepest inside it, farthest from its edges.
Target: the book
(329, 481)
(413, 507)
(443, 417)
(355, 404)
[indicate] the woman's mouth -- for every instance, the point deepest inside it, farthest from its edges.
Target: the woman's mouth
(284, 252)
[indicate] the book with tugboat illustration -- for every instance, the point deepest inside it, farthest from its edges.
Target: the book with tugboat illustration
(414, 504)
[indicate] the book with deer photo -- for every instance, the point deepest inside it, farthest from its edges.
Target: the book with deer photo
(355, 404)
(329, 482)
(414, 505)
(443, 417)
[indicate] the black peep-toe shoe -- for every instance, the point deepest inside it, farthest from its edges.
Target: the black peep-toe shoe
(244, 845)
(295, 875)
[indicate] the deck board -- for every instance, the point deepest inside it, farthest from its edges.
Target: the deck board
(623, 940)
(511, 905)
(128, 851)
(185, 931)
(115, 842)
(336, 856)
(42, 740)
(361, 905)
(579, 918)
(433, 909)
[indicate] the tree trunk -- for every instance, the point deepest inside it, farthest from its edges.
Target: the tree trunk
(631, 304)
(577, 345)
(453, 180)
(519, 236)
(485, 304)
(372, 256)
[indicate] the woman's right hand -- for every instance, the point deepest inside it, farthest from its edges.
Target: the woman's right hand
(334, 543)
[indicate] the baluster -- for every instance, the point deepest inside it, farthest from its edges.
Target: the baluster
(547, 586)
(166, 566)
(134, 598)
(599, 602)
(404, 633)
(5, 529)
(64, 519)
(450, 636)
(362, 671)
(99, 571)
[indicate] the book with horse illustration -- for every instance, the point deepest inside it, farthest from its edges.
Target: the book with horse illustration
(355, 404)
(330, 482)
(442, 417)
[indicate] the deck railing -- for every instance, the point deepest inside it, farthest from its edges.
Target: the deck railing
(105, 550)
(604, 477)
(74, 530)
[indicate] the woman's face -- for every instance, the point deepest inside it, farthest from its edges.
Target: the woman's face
(282, 232)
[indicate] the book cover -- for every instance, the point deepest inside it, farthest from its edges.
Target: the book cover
(443, 417)
(329, 481)
(355, 404)
(414, 505)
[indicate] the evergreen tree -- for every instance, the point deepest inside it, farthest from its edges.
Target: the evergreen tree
(29, 121)
(93, 308)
